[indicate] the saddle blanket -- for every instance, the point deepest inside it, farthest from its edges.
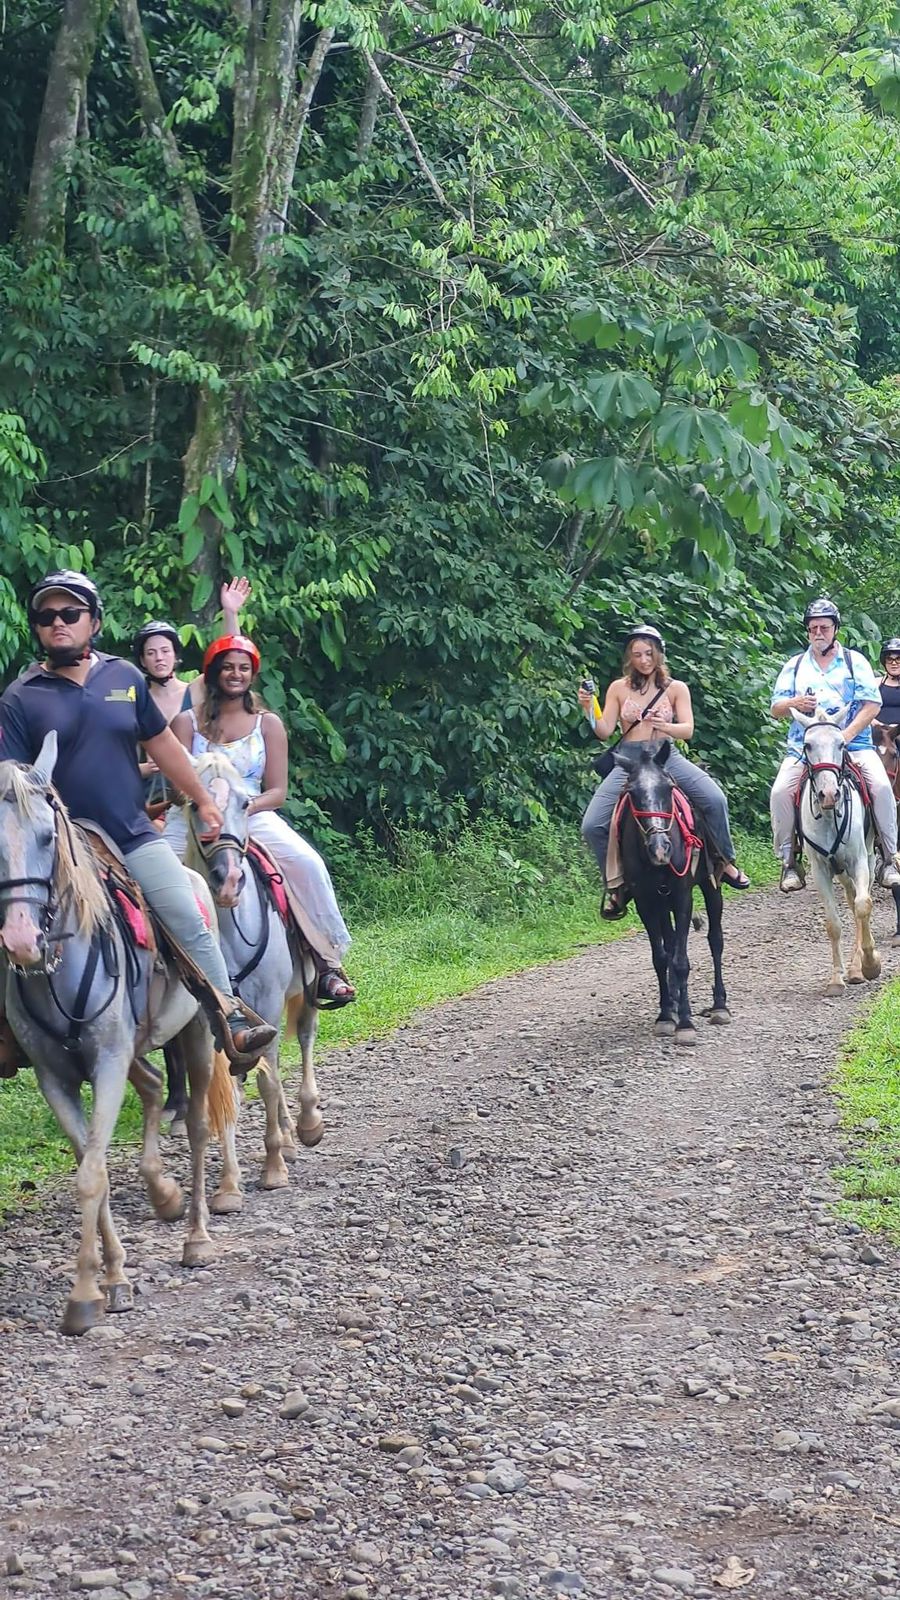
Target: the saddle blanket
(272, 878)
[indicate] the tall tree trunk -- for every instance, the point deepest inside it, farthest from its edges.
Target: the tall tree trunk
(273, 112)
(44, 221)
(154, 119)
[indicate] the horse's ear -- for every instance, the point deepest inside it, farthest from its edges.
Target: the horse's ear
(804, 721)
(662, 755)
(42, 771)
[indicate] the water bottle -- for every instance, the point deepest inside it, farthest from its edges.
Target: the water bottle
(594, 713)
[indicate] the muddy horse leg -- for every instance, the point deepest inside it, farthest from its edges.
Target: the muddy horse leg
(680, 969)
(304, 1019)
(712, 899)
(164, 1193)
(825, 889)
(653, 915)
(865, 962)
(195, 1041)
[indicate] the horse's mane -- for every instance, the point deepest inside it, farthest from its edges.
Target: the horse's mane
(217, 765)
(211, 764)
(76, 871)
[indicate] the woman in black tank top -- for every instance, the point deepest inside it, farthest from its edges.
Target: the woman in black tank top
(890, 683)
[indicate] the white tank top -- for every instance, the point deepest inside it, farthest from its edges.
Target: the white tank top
(247, 755)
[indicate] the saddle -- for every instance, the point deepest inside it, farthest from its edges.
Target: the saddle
(694, 843)
(142, 929)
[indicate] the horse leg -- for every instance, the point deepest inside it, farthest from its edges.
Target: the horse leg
(86, 1301)
(196, 1042)
(163, 1192)
(866, 962)
(223, 1106)
(825, 889)
(652, 915)
(274, 1173)
(712, 899)
(680, 968)
(175, 1108)
(304, 1019)
(286, 1123)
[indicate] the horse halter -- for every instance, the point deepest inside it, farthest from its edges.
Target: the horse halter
(50, 961)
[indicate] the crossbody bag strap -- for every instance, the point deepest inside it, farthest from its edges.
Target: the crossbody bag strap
(648, 707)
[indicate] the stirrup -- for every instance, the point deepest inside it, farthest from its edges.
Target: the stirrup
(792, 866)
(614, 904)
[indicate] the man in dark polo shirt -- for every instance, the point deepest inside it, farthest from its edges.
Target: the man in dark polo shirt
(101, 709)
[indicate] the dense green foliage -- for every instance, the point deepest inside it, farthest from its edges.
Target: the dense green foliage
(563, 315)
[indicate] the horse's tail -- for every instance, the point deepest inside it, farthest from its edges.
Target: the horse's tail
(221, 1098)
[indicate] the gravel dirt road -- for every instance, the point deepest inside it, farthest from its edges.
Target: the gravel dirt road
(556, 1309)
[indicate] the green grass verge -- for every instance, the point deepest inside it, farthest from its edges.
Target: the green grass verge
(867, 1086)
(428, 927)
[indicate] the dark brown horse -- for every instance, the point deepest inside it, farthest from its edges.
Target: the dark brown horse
(660, 869)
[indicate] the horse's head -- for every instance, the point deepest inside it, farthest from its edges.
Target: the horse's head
(27, 856)
(884, 738)
(649, 792)
(223, 859)
(824, 752)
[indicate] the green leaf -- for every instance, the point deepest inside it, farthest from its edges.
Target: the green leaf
(202, 590)
(615, 395)
(234, 545)
(192, 544)
(187, 515)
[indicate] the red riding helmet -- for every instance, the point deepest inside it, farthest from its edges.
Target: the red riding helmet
(231, 641)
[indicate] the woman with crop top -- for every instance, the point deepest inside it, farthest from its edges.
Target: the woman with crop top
(232, 720)
(635, 704)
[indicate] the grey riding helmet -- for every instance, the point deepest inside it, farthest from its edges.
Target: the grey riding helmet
(77, 584)
(823, 608)
(644, 630)
(891, 647)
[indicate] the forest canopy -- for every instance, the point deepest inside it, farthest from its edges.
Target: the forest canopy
(473, 334)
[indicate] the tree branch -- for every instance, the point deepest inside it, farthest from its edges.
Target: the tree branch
(414, 145)
(283, 179)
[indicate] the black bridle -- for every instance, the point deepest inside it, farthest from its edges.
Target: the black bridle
(842, 809)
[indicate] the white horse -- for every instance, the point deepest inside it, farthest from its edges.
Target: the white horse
(841, 846)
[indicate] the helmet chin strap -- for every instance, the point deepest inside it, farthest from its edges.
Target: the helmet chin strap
(69, 656)
(152, 678)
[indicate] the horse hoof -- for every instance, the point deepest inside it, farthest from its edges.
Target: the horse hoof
(834, 990)
(854, 977)
(171, 1209)
(289, 1152)
(119, 1298)
(274, 1178)
(720, 1017)
(663, 1028)
(176, 1129)
(81, 1315)
(310, 1137)
(872, 969)
(198, 1253)
(225, 1203)
(686, 1036)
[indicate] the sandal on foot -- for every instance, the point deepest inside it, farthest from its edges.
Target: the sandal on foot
(613, 906)
(740, 882)
(334, 990)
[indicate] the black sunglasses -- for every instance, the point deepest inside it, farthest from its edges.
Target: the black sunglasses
(66, 614)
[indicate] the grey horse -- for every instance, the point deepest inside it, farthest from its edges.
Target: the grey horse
(267, 967)
(84, 1005)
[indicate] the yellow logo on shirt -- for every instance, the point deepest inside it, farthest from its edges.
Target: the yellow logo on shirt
(122, 694)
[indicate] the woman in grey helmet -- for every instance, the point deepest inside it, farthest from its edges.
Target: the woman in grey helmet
(648, 703)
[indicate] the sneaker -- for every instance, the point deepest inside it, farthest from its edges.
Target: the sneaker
(791, 880)
(890, 877)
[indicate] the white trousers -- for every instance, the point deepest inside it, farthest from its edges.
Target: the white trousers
(781, 800)
(306, 877)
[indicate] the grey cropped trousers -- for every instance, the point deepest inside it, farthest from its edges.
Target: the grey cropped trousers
(707, 799)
